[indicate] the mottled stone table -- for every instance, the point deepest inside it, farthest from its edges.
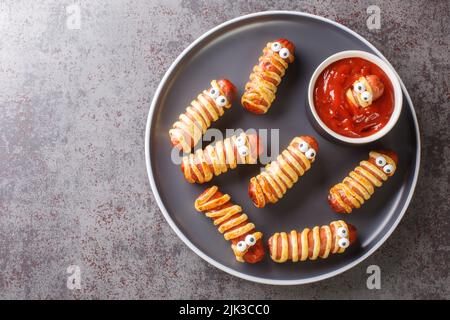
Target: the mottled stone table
(74, 189)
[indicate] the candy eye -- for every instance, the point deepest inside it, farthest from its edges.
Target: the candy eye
(343, 243)
(241, 246)
(342, 232)
(213, 93)
(243, 151)
(221, 101)
(250, 240)
(240, 141)
(359, 87)
(380, 161)
(284, 53)
(388, 168)
(276, 46)
(310, 154)
(303, 146)
(366, 96)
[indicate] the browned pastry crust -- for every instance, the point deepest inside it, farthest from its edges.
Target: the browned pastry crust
(208, 107)
(281, 174)
(266, 76)
(204, 164)
(360, 184)
(232, 223)
(311, 243)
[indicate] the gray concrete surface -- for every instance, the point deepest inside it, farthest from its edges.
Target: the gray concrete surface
(74, 189)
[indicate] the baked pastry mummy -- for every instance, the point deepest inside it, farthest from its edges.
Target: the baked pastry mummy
(364, 91)
(311, 243)
(216, 159)
(246, 243)
(209, 106)
(360, 184)
(281, 174)
(266, 76)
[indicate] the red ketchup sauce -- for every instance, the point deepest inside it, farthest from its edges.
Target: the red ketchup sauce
(332, 106)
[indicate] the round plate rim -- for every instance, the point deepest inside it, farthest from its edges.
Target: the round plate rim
(187, 241)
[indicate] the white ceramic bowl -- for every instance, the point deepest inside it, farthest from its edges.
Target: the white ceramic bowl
(388, 70)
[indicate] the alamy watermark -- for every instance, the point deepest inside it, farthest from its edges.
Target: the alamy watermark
(374, 280)
(214, 135)
(374, 20)
(73, 20)
(74, 278)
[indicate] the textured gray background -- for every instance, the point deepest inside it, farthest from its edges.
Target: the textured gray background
(74, 189)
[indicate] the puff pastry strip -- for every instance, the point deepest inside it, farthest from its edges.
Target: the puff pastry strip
(281, 174)
(246, 242)
(204, 164)
(360, 184)
(266, 76)
(208, 107)
(311, 243)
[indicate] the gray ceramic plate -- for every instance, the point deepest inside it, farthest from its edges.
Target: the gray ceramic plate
(230, 51)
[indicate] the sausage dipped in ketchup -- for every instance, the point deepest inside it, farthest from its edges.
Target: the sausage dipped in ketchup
(354, 97)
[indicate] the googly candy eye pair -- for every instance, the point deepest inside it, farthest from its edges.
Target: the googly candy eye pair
(360, 88)
(221, 101)
(365, 91)
(283, 52)
(381, 162)
(343, 242)
(304, 147)
(249, 241)
(241, 146)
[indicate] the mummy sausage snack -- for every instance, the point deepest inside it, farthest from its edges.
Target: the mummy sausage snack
(229, 219)
(281, 174)
(212, 161)
(266, 76)
(310, 244)
(359, 185)
(207, 108)
(364, 91)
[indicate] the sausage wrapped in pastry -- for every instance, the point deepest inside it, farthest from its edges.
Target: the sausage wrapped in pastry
(281, 174)
(360, 184)
(311, 243)
(364, 91)
(204, 164)
(266, 76)
(233, 224)
(207, 108)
